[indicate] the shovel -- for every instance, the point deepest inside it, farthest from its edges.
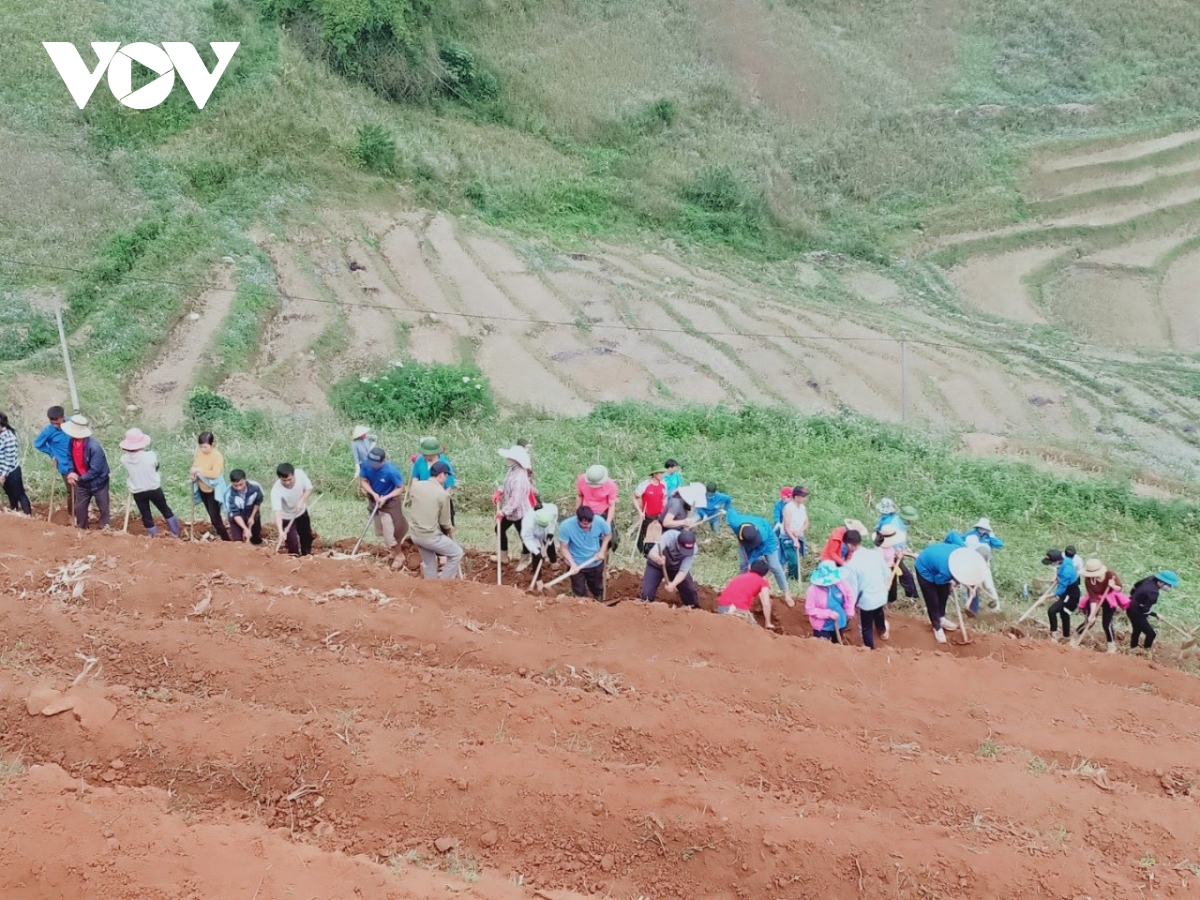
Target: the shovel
(1036, 603)
(128, 509)
(291, 522)
(537, 570)
(540, 586)
(962, 625)
(370, 519)
(658, 537)
(1087, 626)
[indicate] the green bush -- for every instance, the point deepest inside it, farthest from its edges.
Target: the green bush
(207, 408)
(375, 150)
(26, 330)
(415, 393)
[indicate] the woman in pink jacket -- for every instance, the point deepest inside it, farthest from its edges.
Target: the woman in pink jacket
(829, 602)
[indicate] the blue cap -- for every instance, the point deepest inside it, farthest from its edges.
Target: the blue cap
(1169, 578)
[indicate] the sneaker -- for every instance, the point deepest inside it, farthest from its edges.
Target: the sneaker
(939, 636)
(1055, 637)
(1112, 648)
(524, 564)
(887, 633)
(947, 625)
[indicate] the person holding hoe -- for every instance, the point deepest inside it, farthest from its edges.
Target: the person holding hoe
(1103, 598)
(383, 484)
(145, 483)
(714, 502)
(1066, 592)
(939, 567)
(89, 475)
(899, 518)
(289, 503)
(740, 593)
(432, 524)
(361, 444)
(793, 526)
(583, 542)
(595, 490)
(55, 443)
(514, 500)
(870, 577)
(1141, 606)
(650, 497)
(244, 505)
(430, 453)
(756, 539)
(829, 602)
(208, 481)
(537, 534)
(671, 560)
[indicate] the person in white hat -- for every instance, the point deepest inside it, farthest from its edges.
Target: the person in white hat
(89, 475)
(145, 484)
(681, 506)
(537, 533)
(514, 500)
(361, 443)
(595, 490)
(987, 538)
(939, 567)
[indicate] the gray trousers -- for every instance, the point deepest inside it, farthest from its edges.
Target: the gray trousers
(433, 546)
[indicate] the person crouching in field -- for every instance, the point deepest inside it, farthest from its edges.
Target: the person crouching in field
(738, 597)
(432, 526)
(671, 559)
(145, 482)
(244, 504)
(829, 602)
(537, 534)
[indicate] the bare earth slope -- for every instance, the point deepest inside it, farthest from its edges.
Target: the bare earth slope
(280, 714)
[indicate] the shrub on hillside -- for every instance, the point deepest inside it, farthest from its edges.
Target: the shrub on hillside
(26, 329)
(206, 407)
(375, 150)
(411, 393)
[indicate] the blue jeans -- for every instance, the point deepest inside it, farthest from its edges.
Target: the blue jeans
(773, 562)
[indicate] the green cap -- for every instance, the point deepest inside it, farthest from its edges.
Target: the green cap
(596, 475)
(544, 516)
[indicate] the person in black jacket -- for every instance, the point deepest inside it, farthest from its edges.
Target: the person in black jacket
(1142, 599)
(89, 471)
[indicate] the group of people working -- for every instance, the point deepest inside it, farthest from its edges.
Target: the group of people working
(860, 571)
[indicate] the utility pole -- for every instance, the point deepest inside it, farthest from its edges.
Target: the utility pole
(62, 337)
(903, 380)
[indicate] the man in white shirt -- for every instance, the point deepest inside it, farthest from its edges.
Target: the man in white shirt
(289, 502)
(868, 573)
(795, 524)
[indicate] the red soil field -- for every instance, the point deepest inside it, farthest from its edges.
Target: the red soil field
(260, 727)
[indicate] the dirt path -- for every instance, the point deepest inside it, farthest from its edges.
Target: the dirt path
(1123, 152)
(1180, 296)
(163, 388)
(618, 752)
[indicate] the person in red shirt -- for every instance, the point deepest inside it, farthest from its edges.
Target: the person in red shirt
(650, 497)
(844, 540)
(739, 595)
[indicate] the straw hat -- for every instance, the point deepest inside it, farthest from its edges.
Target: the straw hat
(856, 525)
(517, 454)
(430, 446)
(693, 494)
(984, 525)
(968, 567)
(890, 535)
(77, 427)
(135, 439)
(826, 574)
(596, 475)
(360, 431)
(1093, 568)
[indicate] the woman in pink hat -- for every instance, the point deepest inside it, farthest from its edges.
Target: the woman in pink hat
(145, 484)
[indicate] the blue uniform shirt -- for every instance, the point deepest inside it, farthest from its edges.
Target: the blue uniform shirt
(383, 480)
(583, 545)
(933, 563)
(420, 470)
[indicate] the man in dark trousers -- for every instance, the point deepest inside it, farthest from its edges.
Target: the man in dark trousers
(88, 477)
(672, 559)
(55, 443)
(244, 502)
(583, 541)
(1141, 607)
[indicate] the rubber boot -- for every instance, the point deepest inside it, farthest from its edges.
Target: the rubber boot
(173, 524)
(152, 531)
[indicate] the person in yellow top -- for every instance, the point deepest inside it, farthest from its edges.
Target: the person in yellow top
(208, 481)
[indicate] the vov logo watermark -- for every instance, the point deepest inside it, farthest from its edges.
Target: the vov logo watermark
(171, 58)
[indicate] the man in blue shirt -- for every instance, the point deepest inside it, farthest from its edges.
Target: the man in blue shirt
(714, 502)
(384, 486)
(55, 443)
(935, 581)
(583, 542)
(757, 540)
(1066, 591)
